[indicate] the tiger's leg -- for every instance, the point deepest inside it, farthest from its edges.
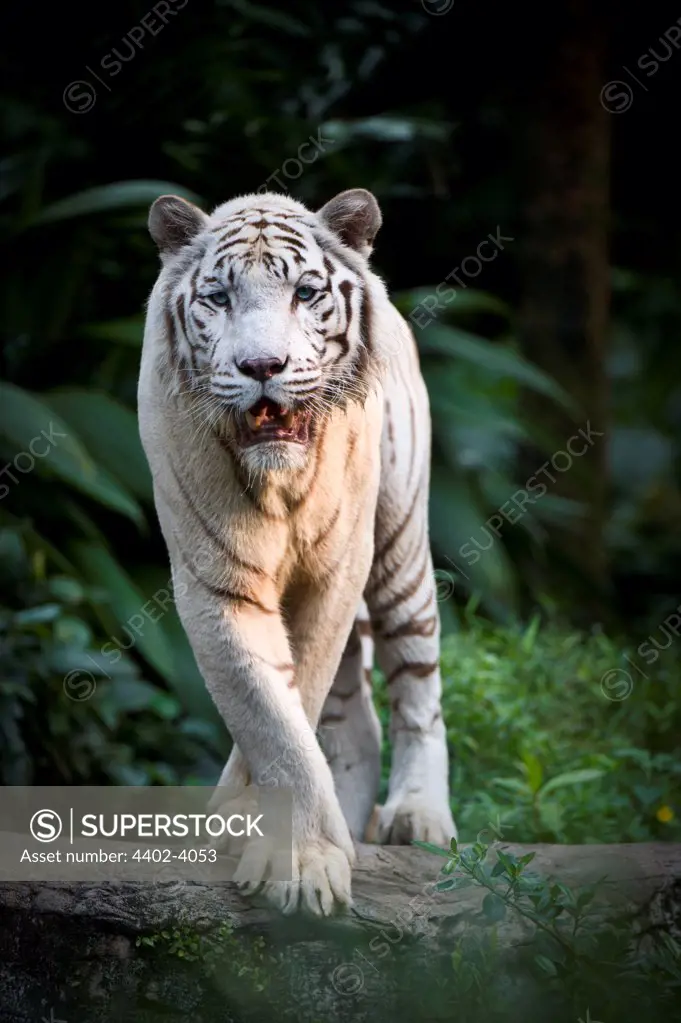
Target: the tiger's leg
(244, 655)
(350, 732)
(404, 616)
(406, 629)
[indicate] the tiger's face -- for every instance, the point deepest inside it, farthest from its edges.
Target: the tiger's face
(268, 316)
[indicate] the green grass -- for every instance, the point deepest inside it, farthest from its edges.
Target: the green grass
(537, 745)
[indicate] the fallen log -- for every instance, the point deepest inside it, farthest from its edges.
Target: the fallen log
(118, 952)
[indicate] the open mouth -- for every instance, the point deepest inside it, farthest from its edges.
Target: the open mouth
(268, 421)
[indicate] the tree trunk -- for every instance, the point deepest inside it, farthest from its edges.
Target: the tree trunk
(565, 265)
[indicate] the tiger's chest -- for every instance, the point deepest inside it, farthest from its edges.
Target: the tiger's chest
(333, 515)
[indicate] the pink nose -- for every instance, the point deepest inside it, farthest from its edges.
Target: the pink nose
(261, 369)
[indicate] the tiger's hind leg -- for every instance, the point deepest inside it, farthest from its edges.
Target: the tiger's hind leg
(350, 732)
(404, 615)
(406, 628)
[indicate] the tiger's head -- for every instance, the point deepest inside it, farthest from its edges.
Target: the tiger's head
(268, 317)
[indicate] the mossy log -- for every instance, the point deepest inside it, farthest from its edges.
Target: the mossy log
(114, 952)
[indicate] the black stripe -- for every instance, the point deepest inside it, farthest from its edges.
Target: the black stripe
(223, 593)
(219, 541)
(392, 540)
(417, 668)
(406, 593)
(173, 345)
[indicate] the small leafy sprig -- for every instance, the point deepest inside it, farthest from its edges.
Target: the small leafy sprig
(552, 907)
(585, 960)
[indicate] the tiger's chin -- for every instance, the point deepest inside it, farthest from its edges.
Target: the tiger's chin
(272, 438)
(273, 456)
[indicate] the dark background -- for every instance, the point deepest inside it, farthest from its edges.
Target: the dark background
(484, 117)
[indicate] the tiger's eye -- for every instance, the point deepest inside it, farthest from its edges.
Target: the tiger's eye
(305, 292)
(220, 298)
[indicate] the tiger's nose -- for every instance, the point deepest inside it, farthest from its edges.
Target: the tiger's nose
(261, 369)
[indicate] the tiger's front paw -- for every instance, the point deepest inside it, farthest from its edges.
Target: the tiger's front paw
(315, 878)
(313, 873)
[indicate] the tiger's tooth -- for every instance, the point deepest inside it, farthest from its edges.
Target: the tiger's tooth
(288, 419)
(255, 422)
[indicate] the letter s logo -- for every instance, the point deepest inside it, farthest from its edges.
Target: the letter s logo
(45, 825)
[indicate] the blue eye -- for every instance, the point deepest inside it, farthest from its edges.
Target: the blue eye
(220, 298)
(304, 293)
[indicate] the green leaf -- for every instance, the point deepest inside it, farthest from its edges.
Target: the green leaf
(546, 965)
(534, 771)
(126, 696)
(511, 784)
(498, 360)
(469, 301)
(456, 516)
(27, 420)
(125, 332)
(493, 907)
(65, 589)
(530, 637)
(568, 895)
(429, 847)
(150, 580)
(73, 632)
(571, 778)
(551, 815)
(457, 883)
(509, 862)
(115, 196)
(36, 615)
(136, 616)
(585, 897)
(110, 432)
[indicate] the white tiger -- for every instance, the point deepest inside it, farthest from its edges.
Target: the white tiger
(287, 428)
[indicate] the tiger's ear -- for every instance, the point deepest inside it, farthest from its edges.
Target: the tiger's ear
(173, 222)
(355, 217)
